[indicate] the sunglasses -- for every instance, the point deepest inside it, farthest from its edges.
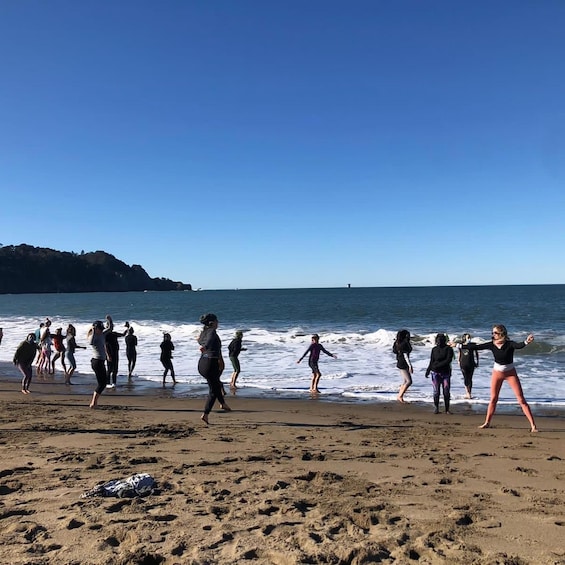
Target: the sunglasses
(496, 333)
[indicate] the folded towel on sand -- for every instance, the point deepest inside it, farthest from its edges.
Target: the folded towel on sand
(140, 484)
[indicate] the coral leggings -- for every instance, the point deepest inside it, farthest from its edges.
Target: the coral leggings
(511, 377)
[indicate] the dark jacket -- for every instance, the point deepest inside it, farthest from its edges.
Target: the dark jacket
(440, 360)
(25, 353)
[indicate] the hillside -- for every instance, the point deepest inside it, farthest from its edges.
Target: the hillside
(27, 269)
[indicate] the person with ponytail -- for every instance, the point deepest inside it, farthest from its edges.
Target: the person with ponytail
(503, 350)
(211, 364)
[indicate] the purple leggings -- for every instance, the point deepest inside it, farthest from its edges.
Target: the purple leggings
(441, 381)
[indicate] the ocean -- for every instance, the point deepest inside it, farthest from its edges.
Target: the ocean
(356, 324)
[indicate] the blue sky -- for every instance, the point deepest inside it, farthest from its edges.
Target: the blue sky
(268, 144)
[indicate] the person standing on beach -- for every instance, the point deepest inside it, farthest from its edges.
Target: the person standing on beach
(112, 351)
(211, 364)
(131, 349)
(38, 333)
(235, 349)
(1, 335)
(45, 345)
(440, 369)
(59, 346)
(23, 359)
(166, 358)
(97, 339)
(70, 353)
(402, 349)
(503, 351)
(314, 350)
(468, 362)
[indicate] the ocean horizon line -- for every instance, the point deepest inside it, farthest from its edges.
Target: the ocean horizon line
(347, 287)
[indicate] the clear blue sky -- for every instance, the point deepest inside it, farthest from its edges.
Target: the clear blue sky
(295, 143)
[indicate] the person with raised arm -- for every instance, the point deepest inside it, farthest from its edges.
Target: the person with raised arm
(503, 349)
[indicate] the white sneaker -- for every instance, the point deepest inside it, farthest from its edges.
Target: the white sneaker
(111, 385)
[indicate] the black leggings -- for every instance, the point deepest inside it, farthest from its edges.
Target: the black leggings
(468, 375)
(99, 369)
(210, 370)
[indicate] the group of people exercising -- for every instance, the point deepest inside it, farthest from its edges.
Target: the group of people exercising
(101, 338)
(439, 368)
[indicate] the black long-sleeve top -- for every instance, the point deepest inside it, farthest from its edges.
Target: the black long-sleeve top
(503, 355)
(440, 360)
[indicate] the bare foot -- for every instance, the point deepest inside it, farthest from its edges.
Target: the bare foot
(534, 430)
(204, 418)
(92, 405)
(24, 391)
(484, 426)
(225, 407)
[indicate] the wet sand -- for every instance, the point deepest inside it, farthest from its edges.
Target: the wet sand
(273, 481)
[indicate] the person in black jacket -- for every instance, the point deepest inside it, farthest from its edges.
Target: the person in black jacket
(167, 348)
(211, 364)
(23, 358)
(440, 369)
(235, 349)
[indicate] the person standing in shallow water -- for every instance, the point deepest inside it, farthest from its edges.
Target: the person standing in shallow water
(60, 350)
(211, 364)
(468, 362)
(97, 339)
(131, 349)
(503, 350)
(235, 349)
(402, 349)
(70, 353)
(314, 350)
(166, 358)
(440, 369)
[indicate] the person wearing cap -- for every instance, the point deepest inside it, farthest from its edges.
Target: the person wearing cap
(314, 350)
(468, 361)
(211, 364)
(97, 340)
(235, 349)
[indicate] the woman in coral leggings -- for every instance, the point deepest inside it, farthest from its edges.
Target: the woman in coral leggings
(503, 370)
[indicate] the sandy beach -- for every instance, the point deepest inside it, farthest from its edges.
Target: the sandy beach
(273, 481)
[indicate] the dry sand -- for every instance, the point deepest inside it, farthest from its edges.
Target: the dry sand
(274, 481)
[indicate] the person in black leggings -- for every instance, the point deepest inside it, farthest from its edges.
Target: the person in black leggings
(211, 364)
